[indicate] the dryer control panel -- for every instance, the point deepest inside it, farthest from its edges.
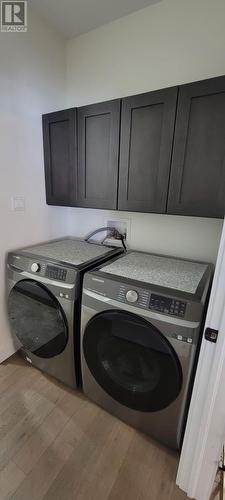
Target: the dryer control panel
(167, 305)
(39, 268)
(136, 296)
(159, 303)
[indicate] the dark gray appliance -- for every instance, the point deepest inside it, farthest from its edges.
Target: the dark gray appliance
(140, 330)
(44, 285)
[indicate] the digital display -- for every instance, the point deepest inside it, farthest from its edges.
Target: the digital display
(167, 305)
(56, 273)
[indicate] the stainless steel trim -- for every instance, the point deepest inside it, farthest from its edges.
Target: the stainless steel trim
(142, 312)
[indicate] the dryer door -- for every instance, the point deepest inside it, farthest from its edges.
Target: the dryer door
(132, 361)
(37, 319)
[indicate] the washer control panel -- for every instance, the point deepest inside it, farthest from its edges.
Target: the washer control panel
(56, 273)
(167, 305)
(158, 303)
(135, 296)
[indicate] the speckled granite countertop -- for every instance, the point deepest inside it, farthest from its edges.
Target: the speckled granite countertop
(69, 250)
(158, 270)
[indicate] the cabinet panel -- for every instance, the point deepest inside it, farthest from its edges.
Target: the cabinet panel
(147, 127)
(197, 184)
(98, 150)
(60, 157)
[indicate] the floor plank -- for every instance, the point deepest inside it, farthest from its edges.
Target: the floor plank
(10, 478)
(43, 474)
(57, 445)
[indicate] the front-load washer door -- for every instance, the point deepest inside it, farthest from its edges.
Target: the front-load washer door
(132, 361)
(37, 319)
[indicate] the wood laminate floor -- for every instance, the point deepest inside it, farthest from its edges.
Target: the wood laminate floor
(57, 445)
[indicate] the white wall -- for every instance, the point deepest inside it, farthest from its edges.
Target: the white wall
(188, 237)
(32, 81)
(171, 42)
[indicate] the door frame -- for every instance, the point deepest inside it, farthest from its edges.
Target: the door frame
(205, 430)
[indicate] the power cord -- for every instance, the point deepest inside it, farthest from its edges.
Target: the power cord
(110, 231)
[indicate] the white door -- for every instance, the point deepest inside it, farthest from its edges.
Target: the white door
(205, 430)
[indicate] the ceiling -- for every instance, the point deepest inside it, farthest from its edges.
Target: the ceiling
(74, 17)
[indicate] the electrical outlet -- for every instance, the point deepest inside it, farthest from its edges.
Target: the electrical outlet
(18, 203)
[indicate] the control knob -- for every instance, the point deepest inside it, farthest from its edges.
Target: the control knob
(132, 296)
(35, 267)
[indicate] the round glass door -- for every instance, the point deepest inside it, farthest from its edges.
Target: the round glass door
(37, 319)
(132, 361)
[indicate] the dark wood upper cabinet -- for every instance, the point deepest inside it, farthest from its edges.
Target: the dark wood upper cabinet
(60, 157)
(98, 150)
(147, 128)
(162, 152)
(197, 185)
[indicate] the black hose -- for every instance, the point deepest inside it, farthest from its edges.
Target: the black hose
(114, 232)
(123, 242)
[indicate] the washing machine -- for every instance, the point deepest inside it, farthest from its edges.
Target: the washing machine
(141, 325)
(44, 286)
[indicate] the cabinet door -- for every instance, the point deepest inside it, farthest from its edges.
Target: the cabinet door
(60, 157)
(98, 149)
(197, 185)
(147, 129)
